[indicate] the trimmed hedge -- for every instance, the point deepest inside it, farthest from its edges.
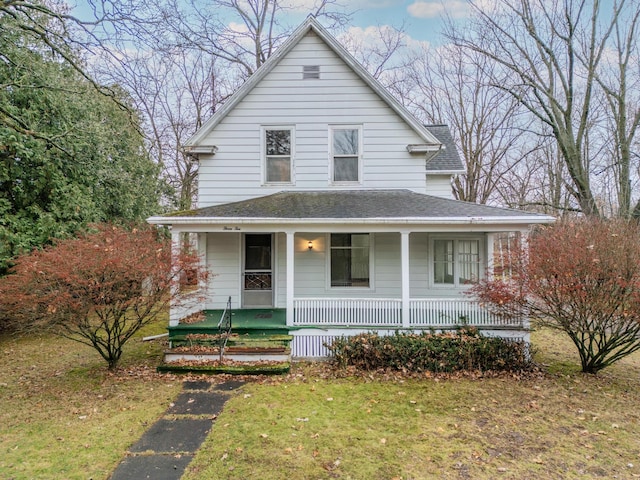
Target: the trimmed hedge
(462, 349)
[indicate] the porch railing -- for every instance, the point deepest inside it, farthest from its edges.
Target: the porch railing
(448, 312)
(387, 312)
(371, 312)
(224, 328)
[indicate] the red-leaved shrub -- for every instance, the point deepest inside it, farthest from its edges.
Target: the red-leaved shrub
(580, 277)
(98, 288)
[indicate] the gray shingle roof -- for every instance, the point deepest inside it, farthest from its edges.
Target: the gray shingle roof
(346, 204)
(448, 159)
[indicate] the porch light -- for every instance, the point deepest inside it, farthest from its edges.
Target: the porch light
(310, 245)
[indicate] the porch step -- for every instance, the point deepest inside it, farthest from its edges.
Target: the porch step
(215, 367)
(254, 340)
(244, 354)
(234, 355)
(235, 340)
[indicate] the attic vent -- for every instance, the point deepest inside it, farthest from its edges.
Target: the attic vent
(310, 72)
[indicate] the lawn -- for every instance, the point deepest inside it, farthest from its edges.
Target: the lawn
(560, 424)
(65, 416)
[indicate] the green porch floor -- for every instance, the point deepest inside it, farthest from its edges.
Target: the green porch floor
(252, 321)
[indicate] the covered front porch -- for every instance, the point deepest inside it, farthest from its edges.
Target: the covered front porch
(318, 321)
(334, 263)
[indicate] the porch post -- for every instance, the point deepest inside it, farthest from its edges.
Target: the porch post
(175, 253)
(290, 274)
(404, 260)
(202, 253)
(490, 256)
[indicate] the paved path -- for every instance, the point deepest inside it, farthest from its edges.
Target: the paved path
(167, 447)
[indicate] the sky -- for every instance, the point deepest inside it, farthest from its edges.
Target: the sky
(423, 19)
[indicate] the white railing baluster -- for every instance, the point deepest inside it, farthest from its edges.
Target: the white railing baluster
(423, 312)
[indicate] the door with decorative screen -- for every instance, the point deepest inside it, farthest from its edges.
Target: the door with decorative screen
(257, 278)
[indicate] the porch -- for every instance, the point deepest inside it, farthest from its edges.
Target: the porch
(317, 321)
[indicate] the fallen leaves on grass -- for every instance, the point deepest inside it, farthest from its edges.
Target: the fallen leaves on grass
(305, 371)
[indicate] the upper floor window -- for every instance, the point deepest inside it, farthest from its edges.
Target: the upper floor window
(346, 151)
(278, 148)
(456, 262)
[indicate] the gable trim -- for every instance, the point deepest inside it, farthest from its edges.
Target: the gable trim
(311, 24)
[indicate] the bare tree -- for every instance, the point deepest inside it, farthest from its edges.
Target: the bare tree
(378, 49)
(249, 39)
(539, 182)
(621, 85)
(179, 74)
(175, 91)
(447, 85)
(553, 52)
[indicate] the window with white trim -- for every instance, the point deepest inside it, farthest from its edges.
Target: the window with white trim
(346, 152)
(278, 154)
(456, 262)
(350, 259)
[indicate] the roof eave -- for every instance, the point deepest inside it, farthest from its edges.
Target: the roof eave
(457, 171)
(482, 220)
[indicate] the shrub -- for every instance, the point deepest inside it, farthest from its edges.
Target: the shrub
(98, 289)
(581, 278)
(463, 349)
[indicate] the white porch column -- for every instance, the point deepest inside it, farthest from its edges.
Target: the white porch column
(404, 261)
(202, 253)
(290, 276)
(491, 237)
(175, 253)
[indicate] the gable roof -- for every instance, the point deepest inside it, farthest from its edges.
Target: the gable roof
(311, 24)
(353, 207)
(447, 160)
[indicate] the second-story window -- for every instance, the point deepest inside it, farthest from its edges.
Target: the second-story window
(278, 154)
(345, 154)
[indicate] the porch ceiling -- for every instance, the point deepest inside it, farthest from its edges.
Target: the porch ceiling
(351, 206)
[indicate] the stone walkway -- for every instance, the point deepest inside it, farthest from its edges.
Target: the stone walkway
(167, 447)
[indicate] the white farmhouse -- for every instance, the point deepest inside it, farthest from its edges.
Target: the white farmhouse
(325, 208)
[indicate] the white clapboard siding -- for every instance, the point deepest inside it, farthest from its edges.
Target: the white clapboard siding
(439, 185)
(311, 277)
(223, 256)
(309, 106)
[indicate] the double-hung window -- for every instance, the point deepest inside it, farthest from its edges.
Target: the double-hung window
(346, 152)
(349, 264)
(456, 262)
(278, 154)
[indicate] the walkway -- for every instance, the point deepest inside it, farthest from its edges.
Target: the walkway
(165, 450)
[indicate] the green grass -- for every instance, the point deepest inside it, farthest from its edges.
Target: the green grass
(558, 425)
(63, 415)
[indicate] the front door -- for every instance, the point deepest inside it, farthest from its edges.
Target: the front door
(257, 290)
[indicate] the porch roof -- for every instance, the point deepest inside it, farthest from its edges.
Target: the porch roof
(351, 206)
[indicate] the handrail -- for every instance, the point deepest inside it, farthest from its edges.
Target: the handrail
(224, 327)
